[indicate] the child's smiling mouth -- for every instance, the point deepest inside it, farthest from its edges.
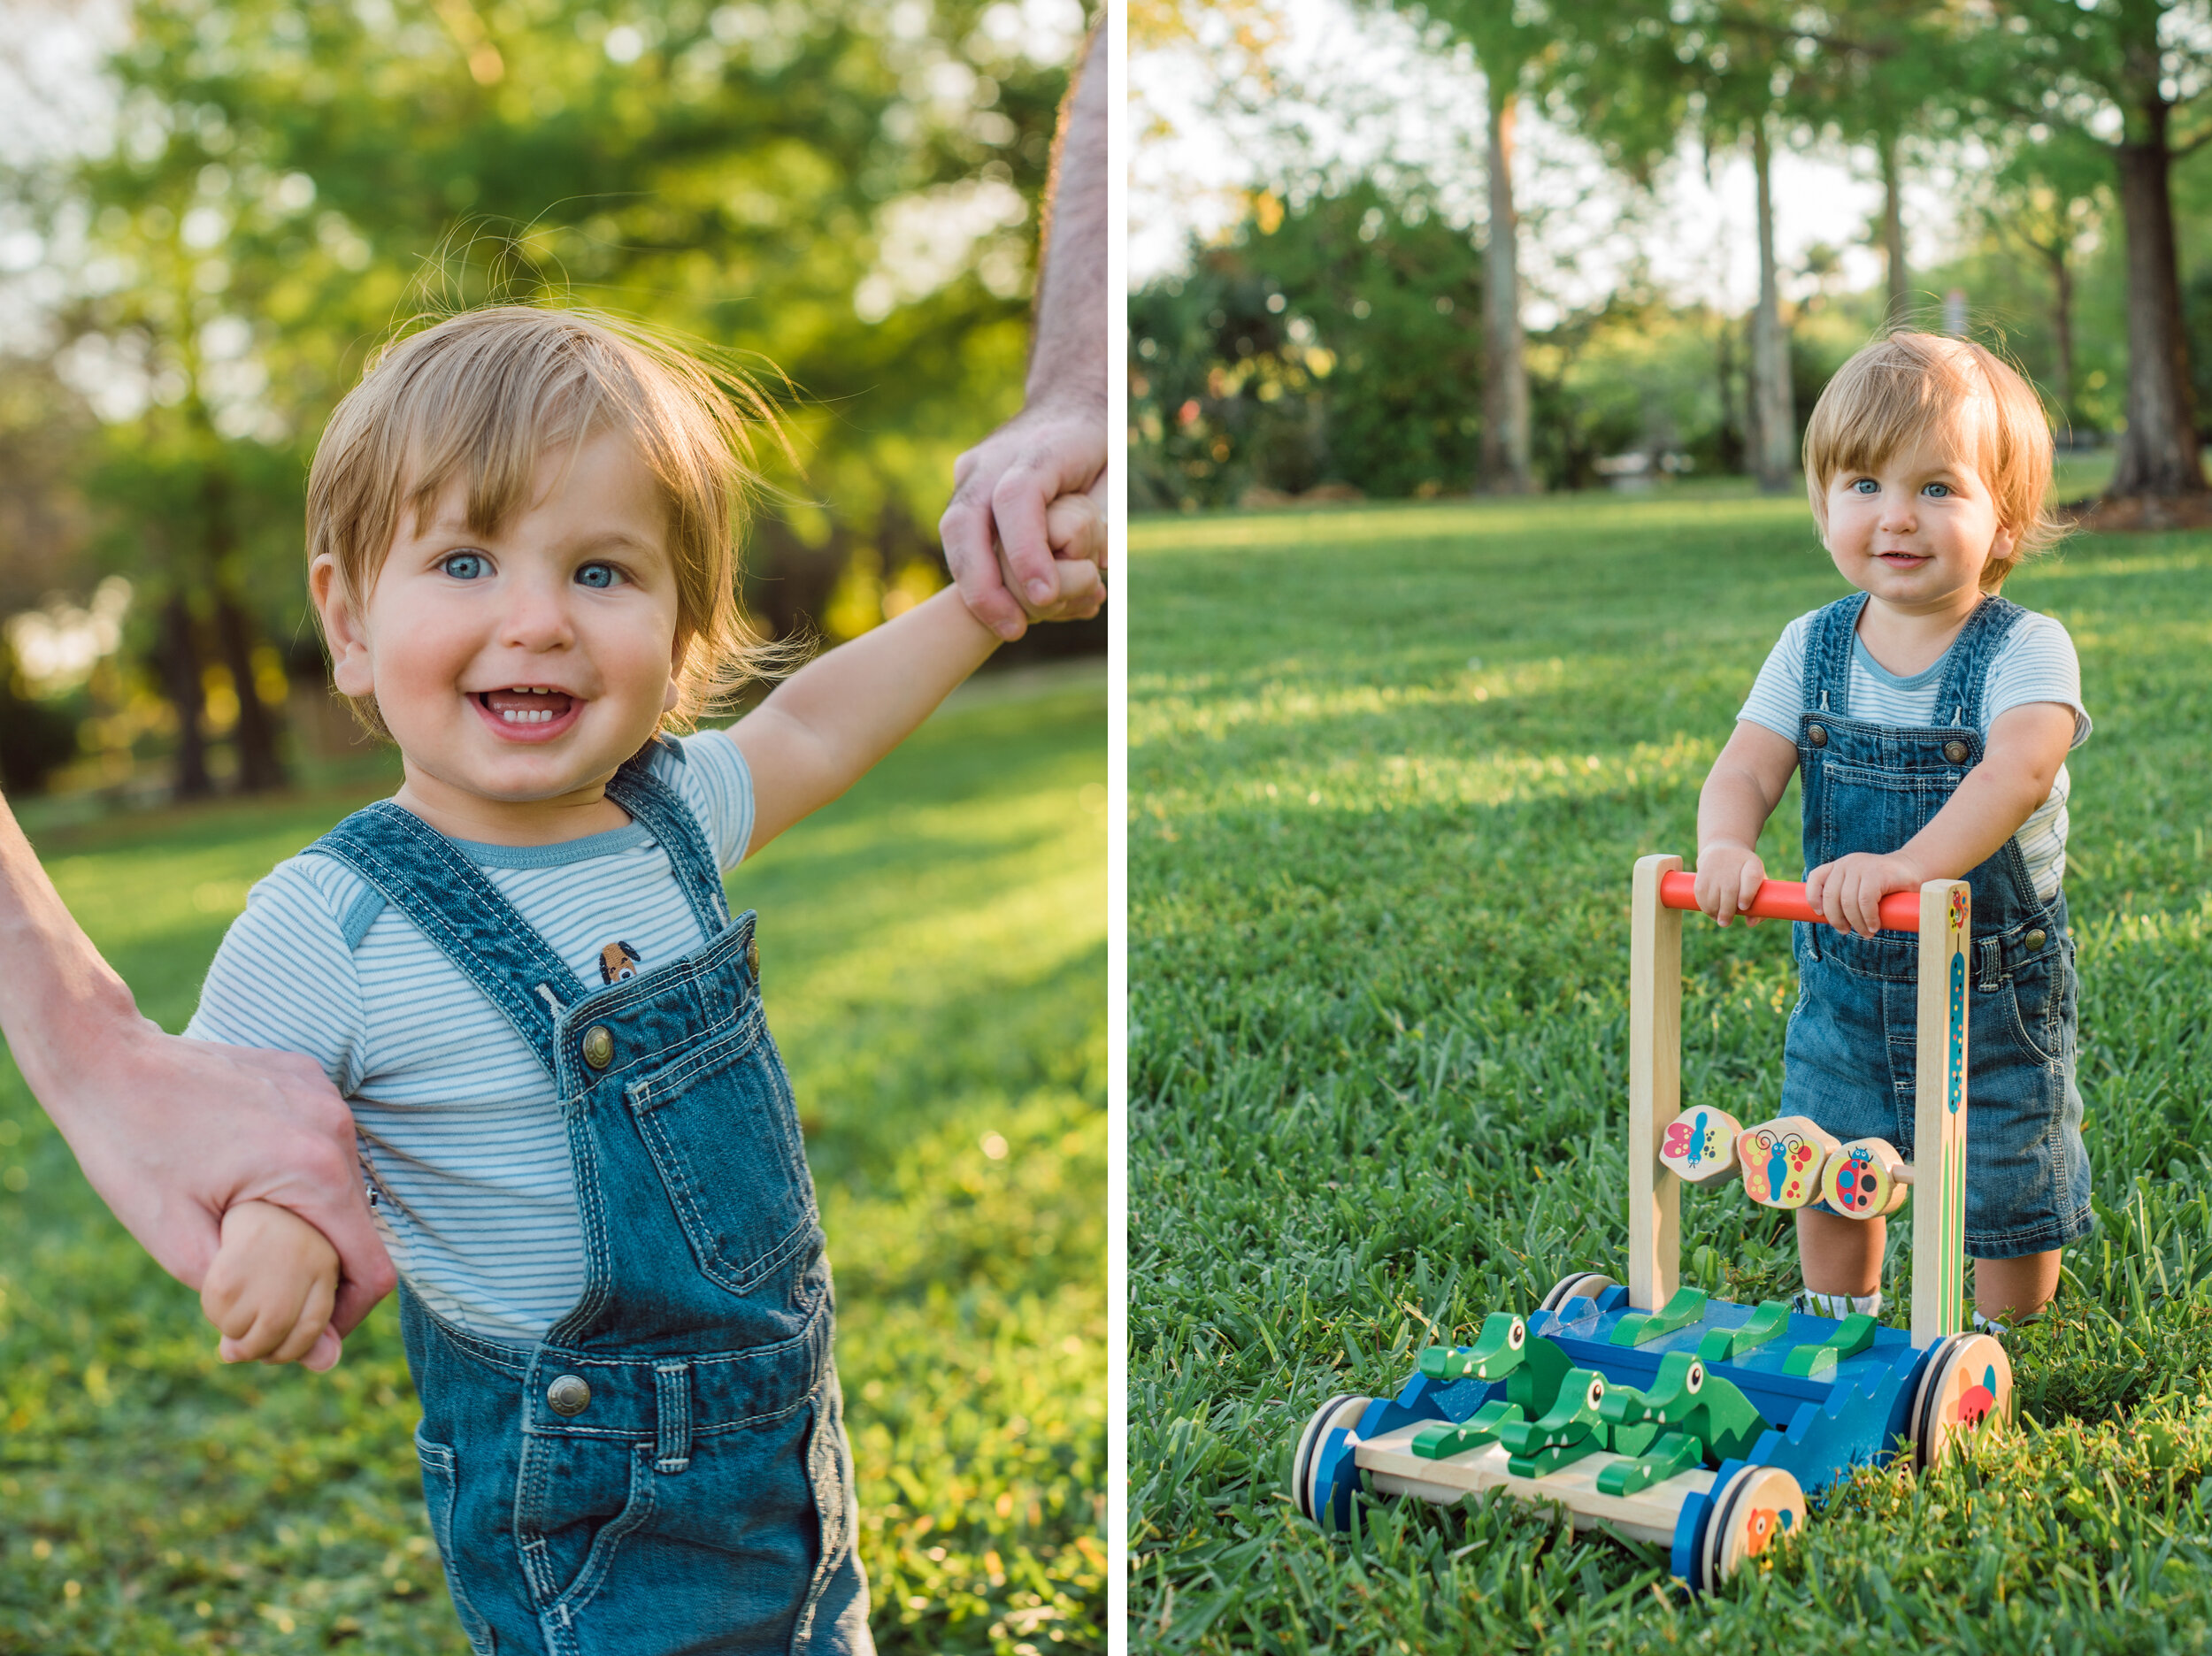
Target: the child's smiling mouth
(527, 713)
(1903, 560)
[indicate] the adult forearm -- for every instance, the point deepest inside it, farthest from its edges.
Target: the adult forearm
(59, 1001)
(1067, 362)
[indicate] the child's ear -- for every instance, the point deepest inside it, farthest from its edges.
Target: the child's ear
(2008, 538)
(678, 657)
(342, 629)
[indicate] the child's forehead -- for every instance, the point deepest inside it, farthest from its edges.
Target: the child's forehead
(1950, 432)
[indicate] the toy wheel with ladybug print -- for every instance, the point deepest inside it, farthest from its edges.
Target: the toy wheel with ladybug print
(1758, 1508)
(1968, 1381)
(1344, 1409)
(1576, 1285)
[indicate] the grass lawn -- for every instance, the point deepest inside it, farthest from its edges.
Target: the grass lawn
(933, 957)
(1389, 768)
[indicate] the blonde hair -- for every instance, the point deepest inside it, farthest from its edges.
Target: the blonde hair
(485, 395)
(1909, 387)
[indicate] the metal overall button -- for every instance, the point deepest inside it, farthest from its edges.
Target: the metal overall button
(598, 1053)
(1955, 751)
(569, 1395)
(1816, 734)
(2034, 940)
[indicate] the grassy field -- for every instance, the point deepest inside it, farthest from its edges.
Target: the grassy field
(933, 957)
(1389, 768)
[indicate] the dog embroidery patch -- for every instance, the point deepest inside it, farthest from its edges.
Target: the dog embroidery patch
(617, 961)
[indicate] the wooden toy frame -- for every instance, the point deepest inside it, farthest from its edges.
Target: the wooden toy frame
(1940, 913)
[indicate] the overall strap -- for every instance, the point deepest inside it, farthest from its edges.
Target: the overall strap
(424, 875)
(1966, 665)
(651, 801)
(1828, 641)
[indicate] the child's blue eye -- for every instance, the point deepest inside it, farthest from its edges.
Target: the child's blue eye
(1937, 490)
(601, 575)
(466, 566)
(1867, 485)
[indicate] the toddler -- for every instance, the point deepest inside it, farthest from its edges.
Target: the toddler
(1931, 719)
(522, 972)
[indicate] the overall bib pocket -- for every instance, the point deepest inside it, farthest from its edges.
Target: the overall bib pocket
(723, 1132)
(440, 1491)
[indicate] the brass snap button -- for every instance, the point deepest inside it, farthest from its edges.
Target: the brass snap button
(568, 1395)
(598, 1053)
(752, 955)
(1955, 752)
(1816, 734)
(2034, 940)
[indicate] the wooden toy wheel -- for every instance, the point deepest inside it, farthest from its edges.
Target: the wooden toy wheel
(1756, 1509)
(1574, 1285)
(1967, 1381)
(1344, 1409)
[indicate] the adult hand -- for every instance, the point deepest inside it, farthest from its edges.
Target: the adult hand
(1002, 487)
(172, 1133)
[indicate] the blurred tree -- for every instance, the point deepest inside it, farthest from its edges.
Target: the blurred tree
(1333, 341)
(2131, 77)
(1509, 38)
(2049, 197)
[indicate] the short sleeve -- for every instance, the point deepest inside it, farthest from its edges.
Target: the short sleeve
(284, 976)
(717, 785)
(2036, 662)
(1777, 696)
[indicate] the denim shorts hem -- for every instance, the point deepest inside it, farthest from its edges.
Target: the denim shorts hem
(2039, 1237)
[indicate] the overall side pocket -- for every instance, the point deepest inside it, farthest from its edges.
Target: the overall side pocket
(440, 1491)
(723, 1131)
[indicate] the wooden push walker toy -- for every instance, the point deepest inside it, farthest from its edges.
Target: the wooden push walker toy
(1659, 1412)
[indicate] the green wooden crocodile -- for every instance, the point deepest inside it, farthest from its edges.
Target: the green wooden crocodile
(1687, 1400)
(1531, 1366)
(1573, 1427)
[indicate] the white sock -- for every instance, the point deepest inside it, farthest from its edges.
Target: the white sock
(1838, 1306)
(1987, 1325)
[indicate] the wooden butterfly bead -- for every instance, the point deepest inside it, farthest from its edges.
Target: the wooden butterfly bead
(1783, 1159)
(1698, 1145)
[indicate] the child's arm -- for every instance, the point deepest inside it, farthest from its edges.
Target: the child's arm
(2027, 745)
(1740, 792)
(825, 727)
(271, 1288)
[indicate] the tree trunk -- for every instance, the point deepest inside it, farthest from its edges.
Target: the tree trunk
(180, 681)
(1729, 441)
(1774, 420)
(2063, 327)
(2159, 450)
(1894, 231)
(1505, 438)
(260, 766)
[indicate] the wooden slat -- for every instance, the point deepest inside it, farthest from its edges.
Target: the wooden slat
(1649, 1514)
(1938, 1222)
(1655, 1086)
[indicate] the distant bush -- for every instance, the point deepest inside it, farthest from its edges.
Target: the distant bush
(37, 738)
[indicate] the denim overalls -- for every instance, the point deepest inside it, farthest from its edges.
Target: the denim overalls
(666, 1469)
(1848, 1056)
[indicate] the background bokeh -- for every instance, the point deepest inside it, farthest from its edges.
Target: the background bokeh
(212, 211)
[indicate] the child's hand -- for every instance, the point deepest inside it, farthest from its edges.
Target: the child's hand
(272, 1287)
(1075, 528)
(1849, 891)
(1728, 878)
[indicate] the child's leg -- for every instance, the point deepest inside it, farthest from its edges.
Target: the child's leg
(1839, 1255)
(2007, 1290)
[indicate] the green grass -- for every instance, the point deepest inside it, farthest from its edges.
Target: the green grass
(933, 957)
(1389, 769)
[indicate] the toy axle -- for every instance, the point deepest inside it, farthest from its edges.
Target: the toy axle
(1784, 900)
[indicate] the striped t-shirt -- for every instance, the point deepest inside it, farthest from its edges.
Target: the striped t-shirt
(2036, 662)
(459, 1124)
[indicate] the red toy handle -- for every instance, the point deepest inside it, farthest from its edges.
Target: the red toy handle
(1784, 900)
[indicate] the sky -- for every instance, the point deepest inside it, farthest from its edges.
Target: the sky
(1362, 90)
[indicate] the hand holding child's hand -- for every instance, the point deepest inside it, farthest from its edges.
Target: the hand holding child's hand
(1728, 878)
(272, 1287)
(1848, 892)
(1075, 528)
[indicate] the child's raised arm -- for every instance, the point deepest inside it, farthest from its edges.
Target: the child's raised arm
(827, 726)
(1740, 792)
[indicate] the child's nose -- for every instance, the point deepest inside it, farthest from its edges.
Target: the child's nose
(537, 616)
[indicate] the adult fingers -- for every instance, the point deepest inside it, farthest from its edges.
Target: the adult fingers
(1018, 509)
(972, 557)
